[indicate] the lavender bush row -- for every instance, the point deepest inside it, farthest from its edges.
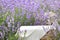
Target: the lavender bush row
(14, 13)
(31, 5)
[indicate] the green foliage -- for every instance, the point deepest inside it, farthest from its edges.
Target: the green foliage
(32, 19)
(1, 20)
(59, 22)
(16, 10)
(12, 36)
(20, 10)
(7, 13)
(23, 19)
(3, 17)
(58, 36)
(17, 18)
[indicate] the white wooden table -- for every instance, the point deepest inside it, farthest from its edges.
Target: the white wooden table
(33, 32)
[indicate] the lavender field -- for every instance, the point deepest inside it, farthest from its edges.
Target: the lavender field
(17, 13)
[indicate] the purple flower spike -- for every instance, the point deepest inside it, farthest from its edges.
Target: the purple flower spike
(28, 16)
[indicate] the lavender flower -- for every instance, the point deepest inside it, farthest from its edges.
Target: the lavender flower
(1, 36)
(20, 3)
